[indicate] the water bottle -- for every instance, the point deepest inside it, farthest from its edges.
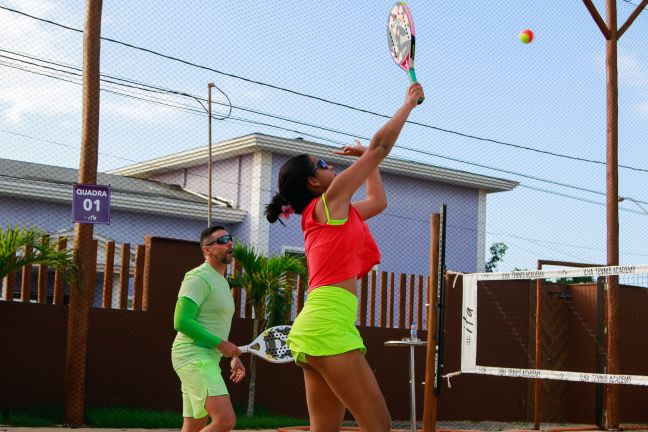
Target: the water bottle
(413, 332)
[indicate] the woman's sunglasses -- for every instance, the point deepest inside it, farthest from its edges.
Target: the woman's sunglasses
(221, 240)
(319, 164)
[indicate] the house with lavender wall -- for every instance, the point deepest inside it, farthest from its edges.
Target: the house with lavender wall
(245, 171)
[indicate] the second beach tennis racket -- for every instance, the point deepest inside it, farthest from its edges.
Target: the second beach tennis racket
(271, 345)
(401, 38)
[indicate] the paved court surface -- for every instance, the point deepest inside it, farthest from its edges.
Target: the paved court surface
(62, 429)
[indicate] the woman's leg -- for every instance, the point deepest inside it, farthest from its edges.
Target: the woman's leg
(352, 381)
(325, 410)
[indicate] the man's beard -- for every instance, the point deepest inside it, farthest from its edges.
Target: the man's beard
(225, 259)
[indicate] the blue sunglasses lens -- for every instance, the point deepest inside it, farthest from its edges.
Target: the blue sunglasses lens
(224, 239)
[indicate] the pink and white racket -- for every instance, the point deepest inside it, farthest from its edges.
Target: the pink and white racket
(401, 38)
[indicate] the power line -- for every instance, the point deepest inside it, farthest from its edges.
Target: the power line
(318, 98)
(250, 121)
(388, 214)
(274, 191)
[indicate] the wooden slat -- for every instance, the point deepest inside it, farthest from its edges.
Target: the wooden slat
(236, 291)
(90, 286)
(236, 294)
(300, 294)
(26, 284)
(41, 296)
(247, 313)
(421, 303)
(383, 300)
(291, 278)
(248, 307)
(59, 275)
(392, 300)
(138, 279)
(10, 285)
(109, 272)
(372, 310)
(429, 300)
(402, 296)
(411, 312)
(146, 295)
(364, 288)
(124, 274)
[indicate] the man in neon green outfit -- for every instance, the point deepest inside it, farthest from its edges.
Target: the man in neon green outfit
(203, 317)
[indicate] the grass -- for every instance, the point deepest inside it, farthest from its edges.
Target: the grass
(114, 417)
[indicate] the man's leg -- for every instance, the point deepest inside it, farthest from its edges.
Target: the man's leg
(190, 424)
(221, 412)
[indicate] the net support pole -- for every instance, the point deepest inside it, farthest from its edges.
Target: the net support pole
(430, 396)
(537, 383)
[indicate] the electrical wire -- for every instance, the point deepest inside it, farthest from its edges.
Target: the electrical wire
(318, 98)
(250, 121)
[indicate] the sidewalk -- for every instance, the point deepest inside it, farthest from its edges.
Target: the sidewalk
(87, 429)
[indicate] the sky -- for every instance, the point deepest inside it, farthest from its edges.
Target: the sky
(322, 71)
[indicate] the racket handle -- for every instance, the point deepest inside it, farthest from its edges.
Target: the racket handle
(412, 76)
(244, 349)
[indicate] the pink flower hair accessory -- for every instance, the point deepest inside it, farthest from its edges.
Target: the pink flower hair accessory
(286, 211)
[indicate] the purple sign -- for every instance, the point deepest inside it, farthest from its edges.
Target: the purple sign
(91, 203)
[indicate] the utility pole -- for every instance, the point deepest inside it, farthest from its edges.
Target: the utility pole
(85, 253)
(612, 35)
(209, 161)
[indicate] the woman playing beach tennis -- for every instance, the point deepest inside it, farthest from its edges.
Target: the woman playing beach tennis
(339, 250)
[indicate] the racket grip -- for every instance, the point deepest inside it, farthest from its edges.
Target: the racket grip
(412, 76)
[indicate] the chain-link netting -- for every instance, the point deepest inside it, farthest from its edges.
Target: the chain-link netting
(512, 137)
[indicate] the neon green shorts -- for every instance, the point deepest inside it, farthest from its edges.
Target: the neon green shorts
(200, 379)
(326, 325)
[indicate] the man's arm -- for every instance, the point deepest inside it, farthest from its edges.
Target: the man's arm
(184, 321)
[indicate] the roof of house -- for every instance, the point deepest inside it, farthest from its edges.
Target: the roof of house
(53, 183)
(260, 142)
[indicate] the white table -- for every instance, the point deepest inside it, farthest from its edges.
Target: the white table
(411, 343)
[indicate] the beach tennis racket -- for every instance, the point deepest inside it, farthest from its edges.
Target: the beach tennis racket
(401, 38)
(271, 345)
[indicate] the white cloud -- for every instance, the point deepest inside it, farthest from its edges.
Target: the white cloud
(139, 111)
(631, 71)
(642, 108)
(24, 94)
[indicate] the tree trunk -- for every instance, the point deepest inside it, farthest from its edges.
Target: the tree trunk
(252, 388)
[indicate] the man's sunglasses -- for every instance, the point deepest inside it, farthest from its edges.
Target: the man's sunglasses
(319, 164)
(221, 240)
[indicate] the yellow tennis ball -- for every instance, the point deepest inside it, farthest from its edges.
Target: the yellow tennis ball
(526, 36)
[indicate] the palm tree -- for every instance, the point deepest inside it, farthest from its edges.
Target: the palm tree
(269, 290)
(14, 241)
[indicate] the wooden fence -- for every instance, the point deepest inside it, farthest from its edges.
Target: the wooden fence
(386, 299)
(118, 268)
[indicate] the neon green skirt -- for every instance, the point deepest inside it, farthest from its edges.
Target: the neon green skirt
(326, 325)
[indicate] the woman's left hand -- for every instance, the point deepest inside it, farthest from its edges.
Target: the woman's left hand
(237, 369)
(355, 150)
